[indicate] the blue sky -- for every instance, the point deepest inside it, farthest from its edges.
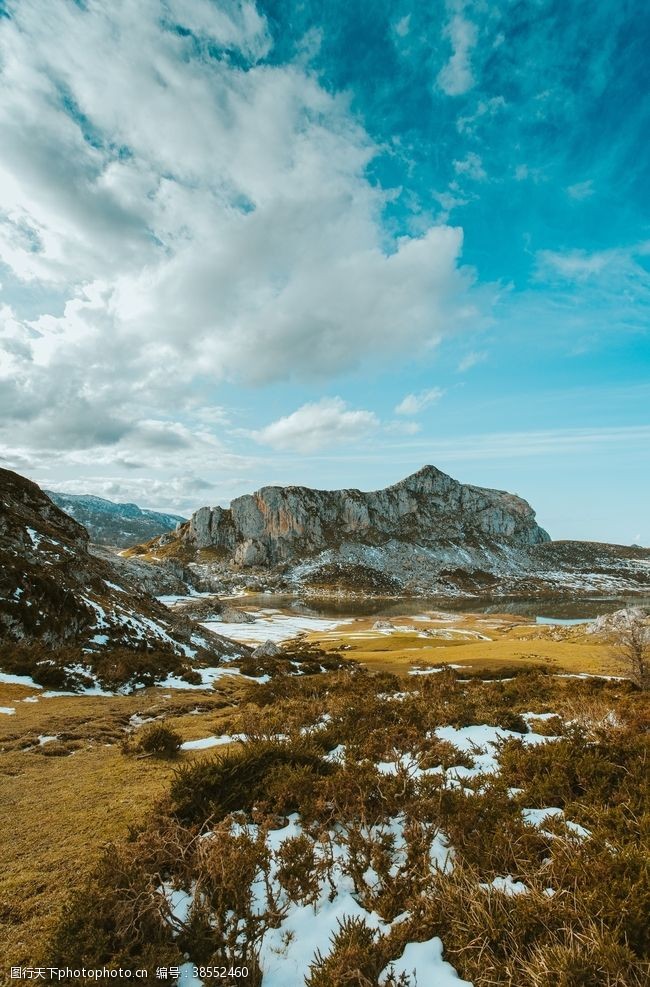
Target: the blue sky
(325, 244)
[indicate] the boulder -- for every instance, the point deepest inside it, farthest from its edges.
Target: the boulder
(267, 650)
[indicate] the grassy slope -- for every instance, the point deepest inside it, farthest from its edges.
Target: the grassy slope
(58, 812)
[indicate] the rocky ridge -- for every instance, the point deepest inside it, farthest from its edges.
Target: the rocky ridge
(427, 534)
(283, 524)
(55, 593)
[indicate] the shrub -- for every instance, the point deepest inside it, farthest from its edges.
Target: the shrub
(630, 644)
(157, 738)
(354, 960)
(236, 779)
(115, 919)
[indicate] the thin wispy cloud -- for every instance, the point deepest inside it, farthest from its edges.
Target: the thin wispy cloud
(470, 360)
(456, 77)
(413, 404)
(517, 445)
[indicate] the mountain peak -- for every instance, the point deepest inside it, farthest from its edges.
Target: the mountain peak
(280, 526)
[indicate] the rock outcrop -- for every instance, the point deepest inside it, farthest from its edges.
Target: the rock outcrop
(286, 524)
(426, 535)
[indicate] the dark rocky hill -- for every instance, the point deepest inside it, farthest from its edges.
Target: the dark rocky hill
(56, 595)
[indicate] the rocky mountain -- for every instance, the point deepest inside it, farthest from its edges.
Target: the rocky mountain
(109, 523)
(284, 524)
(56, 595)
(427, 534)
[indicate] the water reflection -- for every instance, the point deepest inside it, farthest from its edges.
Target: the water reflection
(560, 608)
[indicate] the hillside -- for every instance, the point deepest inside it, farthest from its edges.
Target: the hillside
(426, 535)
(109, 523)
(72, 613)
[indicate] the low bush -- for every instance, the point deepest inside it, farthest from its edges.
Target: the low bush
(353, 961)
(236, 779)
(158, 738)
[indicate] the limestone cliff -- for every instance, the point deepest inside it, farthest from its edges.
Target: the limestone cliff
(426, 535)
(287, 524)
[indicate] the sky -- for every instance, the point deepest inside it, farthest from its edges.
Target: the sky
(326, 243)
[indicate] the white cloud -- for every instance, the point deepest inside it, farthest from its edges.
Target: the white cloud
(620, 264)
(403, 428)
(456, 76)
(516, 445)
(470, 360)
(581, 190)
(321, 423)
(486, 108)
(403, 25)
(471, 166)
(413, 404)
(207, 221)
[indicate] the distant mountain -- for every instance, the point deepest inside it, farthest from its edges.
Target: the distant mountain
(427, 534)
(118, 525)
(82, 616)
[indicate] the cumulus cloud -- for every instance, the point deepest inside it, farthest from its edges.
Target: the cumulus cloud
(317, 424)
(413, 404)
(207, 217)
(456, 76)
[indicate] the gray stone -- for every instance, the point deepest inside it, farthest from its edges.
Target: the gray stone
(282, 524)
(267, 650)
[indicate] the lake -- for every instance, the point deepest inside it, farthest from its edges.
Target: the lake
(549, 609)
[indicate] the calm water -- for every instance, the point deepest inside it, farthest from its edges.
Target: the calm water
(560, 609)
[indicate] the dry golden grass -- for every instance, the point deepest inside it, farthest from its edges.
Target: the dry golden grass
(57, 812)
(56, 815)
(511, 643)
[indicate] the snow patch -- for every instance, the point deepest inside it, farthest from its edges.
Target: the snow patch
(7, 679)
(36, 539)
(206, 742)
(423, 962)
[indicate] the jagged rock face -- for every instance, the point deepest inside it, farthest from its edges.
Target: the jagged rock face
(53, 591)
(285, 524)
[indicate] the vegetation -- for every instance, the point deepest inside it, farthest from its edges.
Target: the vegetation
(157, 738)
(74, 668)
(631, 647)
(317, 751)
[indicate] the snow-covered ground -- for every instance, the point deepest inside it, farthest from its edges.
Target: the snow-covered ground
(287, 951)
(307, 927)
(206, 742)
(273, 625)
